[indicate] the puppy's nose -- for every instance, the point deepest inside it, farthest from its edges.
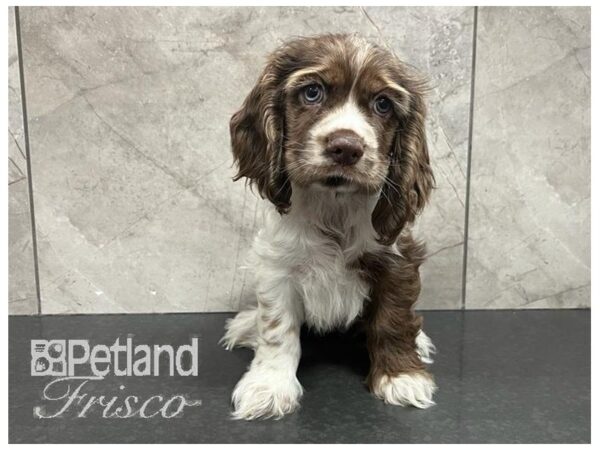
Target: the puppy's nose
(344, 147)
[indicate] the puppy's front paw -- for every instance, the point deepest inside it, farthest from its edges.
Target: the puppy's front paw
(265, 394)
(406, 389)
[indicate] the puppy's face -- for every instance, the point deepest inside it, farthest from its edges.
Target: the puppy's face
(342, 110)
(337, 113)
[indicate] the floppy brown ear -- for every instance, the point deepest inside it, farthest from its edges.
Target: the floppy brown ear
(256, 132)
(410, 179)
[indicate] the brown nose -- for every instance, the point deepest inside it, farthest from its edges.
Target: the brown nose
(344, 147)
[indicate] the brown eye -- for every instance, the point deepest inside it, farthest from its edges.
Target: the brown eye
(313, 94)
(382, 105)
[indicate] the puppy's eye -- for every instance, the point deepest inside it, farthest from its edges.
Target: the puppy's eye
(382, 105)
(313, 94)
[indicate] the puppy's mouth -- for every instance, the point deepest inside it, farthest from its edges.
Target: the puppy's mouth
(335, 181)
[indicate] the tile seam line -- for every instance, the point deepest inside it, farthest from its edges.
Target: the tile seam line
(28, 159)
(469, 154)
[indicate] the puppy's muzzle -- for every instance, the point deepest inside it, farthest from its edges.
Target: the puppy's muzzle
(344, 147)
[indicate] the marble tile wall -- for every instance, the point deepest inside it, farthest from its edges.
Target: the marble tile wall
(131, 168)
(22, 297)
(529, 216)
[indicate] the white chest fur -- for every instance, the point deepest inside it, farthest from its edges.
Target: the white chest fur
(312, 249)
(333, 295)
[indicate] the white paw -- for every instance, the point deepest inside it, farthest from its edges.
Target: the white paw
(264, 394)
(425, 347)
(407, 389)
(241, 331)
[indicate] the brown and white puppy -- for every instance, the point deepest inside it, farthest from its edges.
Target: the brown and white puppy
(333, 135)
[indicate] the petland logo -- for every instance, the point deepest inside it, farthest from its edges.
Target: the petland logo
(79, 367)
(64, 358)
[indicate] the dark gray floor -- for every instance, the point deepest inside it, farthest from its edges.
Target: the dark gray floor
(503, 376)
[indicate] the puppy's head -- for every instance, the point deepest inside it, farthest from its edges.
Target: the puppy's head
(335, 112)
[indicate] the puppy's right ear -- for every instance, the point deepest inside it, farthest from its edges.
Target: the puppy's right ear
(257, 139)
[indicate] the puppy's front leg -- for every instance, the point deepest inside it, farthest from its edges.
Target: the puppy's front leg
(398, 375)
(270, 387)
(397, 346)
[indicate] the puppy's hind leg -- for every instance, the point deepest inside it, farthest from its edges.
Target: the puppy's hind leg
(425, 348)
(241, 330)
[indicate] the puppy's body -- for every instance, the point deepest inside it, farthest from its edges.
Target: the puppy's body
(333, 136)
(317, 245)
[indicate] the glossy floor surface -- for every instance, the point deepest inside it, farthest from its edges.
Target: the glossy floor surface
(503, 376)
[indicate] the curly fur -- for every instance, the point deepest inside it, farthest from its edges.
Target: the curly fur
(336, 248)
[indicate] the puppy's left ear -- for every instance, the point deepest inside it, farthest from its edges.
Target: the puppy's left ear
(410, 178)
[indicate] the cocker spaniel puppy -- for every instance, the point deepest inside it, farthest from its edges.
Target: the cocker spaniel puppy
(333, 135)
